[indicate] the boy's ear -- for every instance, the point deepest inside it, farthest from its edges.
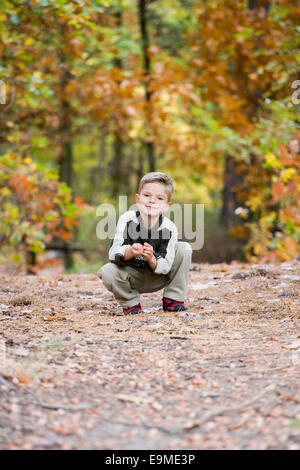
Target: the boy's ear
(168, 206)
(137, 197)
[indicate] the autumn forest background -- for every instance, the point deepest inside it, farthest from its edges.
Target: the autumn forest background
(96, 93)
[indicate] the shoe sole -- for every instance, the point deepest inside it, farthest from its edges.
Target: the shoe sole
(134, 312)
(167, 310)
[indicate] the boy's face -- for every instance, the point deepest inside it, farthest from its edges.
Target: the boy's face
(153, 199)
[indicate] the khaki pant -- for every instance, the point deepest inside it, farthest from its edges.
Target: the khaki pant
(127, 283)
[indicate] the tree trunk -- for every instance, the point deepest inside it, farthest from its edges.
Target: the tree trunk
(230, 202)
(140, 164)
(65, 141)
(118, 144)
(65, 133)
(117, 166)
(96, 173)
(147, 67)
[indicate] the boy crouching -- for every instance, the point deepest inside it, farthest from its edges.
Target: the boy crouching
(145, 254)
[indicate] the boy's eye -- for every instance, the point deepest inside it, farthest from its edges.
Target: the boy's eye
(148, 195)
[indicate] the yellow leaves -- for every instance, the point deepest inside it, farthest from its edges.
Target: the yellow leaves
(288, 174)
(220, 270)
(27, 161)
(5, 191)
(282, 194)
(16, 258)
(14, 212)
(15, 137)
(258, 249)
(254, 203)
(10, 156)
(29, 41)
(272, 160)
(268, 219)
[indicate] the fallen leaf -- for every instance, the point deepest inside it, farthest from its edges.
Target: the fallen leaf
(197, 380)
(53, 318)
(63, 430)
(133, 398)
(23, 379)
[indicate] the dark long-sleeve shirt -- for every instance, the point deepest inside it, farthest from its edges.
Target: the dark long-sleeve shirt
(130, 229)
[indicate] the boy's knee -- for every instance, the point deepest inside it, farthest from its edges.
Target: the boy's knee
(106, 273)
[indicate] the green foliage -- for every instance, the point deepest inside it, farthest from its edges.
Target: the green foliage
(219, 84)
(34, 206)
(83, 266)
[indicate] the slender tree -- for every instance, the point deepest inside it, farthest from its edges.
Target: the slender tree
(147, 67)
(118, 144)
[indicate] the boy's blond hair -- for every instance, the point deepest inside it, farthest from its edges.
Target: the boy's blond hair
(158, 177)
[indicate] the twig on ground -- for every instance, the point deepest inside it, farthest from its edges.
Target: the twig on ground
(208, 415)
(67, 406)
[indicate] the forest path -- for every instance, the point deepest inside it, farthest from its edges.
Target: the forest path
(224, 374)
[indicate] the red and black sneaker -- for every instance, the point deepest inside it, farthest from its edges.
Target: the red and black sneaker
(171, 305)
(133, 310)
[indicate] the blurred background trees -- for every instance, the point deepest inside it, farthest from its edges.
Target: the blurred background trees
(97, 93)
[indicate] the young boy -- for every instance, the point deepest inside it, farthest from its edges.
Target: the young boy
(145, 254)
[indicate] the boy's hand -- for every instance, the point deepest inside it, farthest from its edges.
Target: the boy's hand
(137, 249)
(145, 250)
(134, 251)
(149, 256)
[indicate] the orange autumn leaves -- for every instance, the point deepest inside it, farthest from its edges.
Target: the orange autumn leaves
(210, 91)
(35, 206)
(273, 227)
(242, 56)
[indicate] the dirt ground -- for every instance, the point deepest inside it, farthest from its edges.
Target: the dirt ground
(224, 374)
